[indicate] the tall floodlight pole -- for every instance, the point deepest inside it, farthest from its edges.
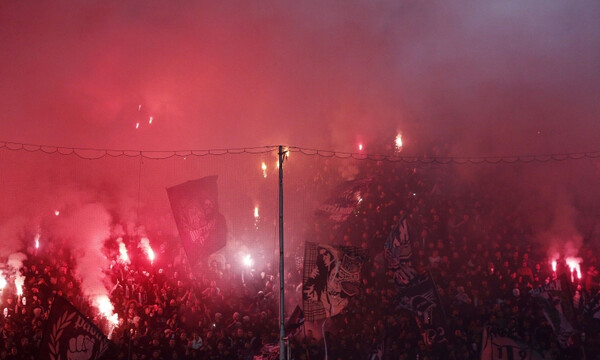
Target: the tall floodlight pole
(281, 271)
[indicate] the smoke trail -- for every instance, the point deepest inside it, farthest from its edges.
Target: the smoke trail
(85, 229)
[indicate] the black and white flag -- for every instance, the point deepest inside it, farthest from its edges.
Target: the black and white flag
(332, 274)
(398, 253)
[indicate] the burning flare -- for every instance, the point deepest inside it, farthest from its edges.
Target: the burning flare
(263, 166)
(123, 256)
(2, 281)
(574, 266)
(247, 260)
(19, 281)
(398, 142)
(106, 308)
(37, 240)
(256, 217)
(145, 246)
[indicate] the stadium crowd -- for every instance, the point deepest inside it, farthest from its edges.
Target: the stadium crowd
(482, 255)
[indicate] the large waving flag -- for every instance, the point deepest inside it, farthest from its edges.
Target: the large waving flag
(70, 335)
(331, 276)
(346, 198)
(201, 227)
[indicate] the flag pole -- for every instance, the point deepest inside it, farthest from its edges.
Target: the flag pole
(281, 271)
(324, 338)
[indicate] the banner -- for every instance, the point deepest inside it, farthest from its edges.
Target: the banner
(497, 347)
(347, 197)
(201, 227)
(331, 276)
(546, 290)
(70, 335)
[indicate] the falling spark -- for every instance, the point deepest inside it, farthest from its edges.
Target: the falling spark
(140, 107)
(263, 166)
(150, 119)
(137, 125)
(56, 212)
(147, 249)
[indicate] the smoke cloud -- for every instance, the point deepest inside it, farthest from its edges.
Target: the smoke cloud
(455, 78)
(85, 230)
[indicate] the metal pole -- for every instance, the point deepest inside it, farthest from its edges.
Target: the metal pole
(281, 271)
